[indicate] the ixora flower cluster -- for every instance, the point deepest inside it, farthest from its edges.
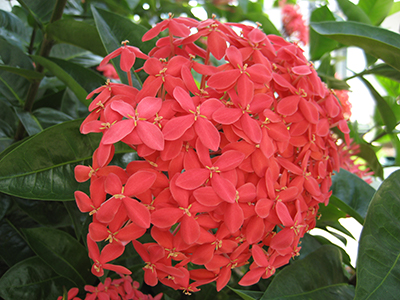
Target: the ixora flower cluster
(235, 158)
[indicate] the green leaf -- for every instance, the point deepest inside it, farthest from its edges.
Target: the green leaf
(61, 74)
(113, 29)
(77, 33)
(382, 70)
(64, 254)
(81, 221)
(42, 167)
(267, 26)
(79, 79)
(41, 9)
(71, 105)
(352, 194)
(353, 12)
(395, 8)
(13, 86)
(378, 42)
(387, 115)
(324, 241)
(377, 10)
(28, 74)
(47, 213)
(318, 276)
(330, 216)
(248, 295)
(87, 78)
(32, 279)
(48, 117)
(13, 24)
(13, 246)
(319, 45)
(392, 87)
(31, 124)
(378, 264)
(369, 155)
(5, 205)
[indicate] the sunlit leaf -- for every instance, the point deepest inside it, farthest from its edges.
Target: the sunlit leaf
(353, 12)
(377, 10)
(319, 45)
(378, 42)
(384, 109)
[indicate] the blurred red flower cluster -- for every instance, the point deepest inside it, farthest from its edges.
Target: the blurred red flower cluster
(123, 288)
(234, 158)
(293, 22)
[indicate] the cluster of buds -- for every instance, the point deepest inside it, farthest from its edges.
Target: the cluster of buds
(234, 159)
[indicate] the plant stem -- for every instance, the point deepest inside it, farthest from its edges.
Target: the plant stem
(45, 49)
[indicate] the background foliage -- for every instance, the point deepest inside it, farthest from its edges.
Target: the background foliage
(49, 55)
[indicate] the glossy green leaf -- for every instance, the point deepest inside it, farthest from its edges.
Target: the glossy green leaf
(32, 279)
(47, 213)
(67, 51)
(31, 124)
(353, 12)
(61, 74)
(13, 86)
(41, 9)
(319, 45)
(48, 117)
(384, 109)
(71, 105)
(79, 79)
(64, 254)
(377, 10)
(318, 276)
(77, 33)
(378, 264)
(248, 295)
(87, 78)
(378, 42)
(28, 74)
(42, 167)
(13, 24)
(352, 194)
(113, 29)
(13, 246)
